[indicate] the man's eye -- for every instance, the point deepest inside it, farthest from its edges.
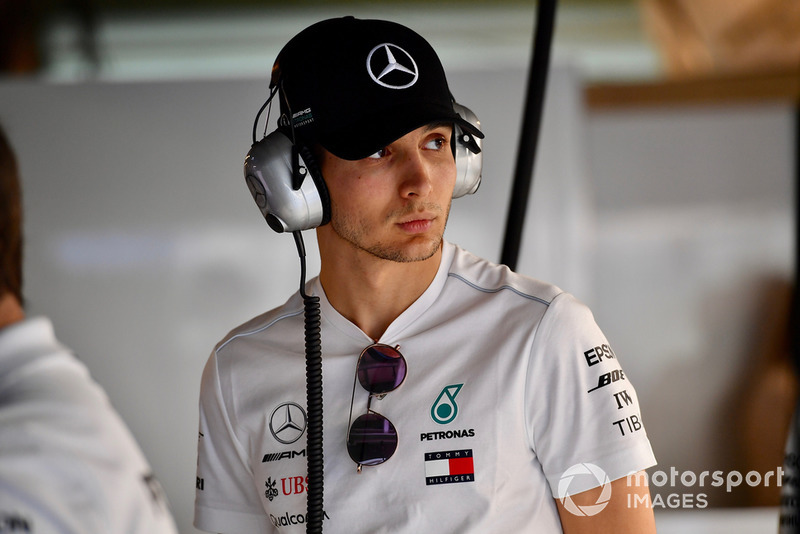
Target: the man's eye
(436, 143)
(379, 154)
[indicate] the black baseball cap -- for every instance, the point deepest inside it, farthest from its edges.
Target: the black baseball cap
(354, 86)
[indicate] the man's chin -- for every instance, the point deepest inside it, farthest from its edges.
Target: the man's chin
(410, 253)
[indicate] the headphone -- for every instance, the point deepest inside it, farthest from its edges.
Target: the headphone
(289, 189)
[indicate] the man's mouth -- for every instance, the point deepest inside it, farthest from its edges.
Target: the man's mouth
(417, 225)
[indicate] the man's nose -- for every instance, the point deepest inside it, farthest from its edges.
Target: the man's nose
(416, 176)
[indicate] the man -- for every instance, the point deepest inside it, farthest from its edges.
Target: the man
(493, 402)
(68, 464)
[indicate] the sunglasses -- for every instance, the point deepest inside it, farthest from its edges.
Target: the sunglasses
(371, 438)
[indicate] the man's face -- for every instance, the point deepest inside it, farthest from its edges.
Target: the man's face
(394, 204)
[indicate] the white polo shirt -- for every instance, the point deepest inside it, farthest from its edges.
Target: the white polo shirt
(68, 463)
(510, 384)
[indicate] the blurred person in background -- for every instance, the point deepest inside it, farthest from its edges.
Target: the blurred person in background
(68, 463)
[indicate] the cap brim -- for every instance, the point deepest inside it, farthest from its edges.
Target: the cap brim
(377, 131)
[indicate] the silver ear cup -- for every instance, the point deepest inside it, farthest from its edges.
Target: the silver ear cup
(468, 154)
(268, 173)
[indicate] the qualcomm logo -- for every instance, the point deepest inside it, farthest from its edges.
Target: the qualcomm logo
(584, 470)
(385, 69)
(287, 422)
(445, 409)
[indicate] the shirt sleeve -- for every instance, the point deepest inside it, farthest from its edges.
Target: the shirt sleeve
(226, 500)
(583, 412)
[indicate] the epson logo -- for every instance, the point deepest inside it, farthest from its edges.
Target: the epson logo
(596, 355)
(286, 455)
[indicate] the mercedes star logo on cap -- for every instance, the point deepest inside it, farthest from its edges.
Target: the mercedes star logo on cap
(386, 62)
(287, 422)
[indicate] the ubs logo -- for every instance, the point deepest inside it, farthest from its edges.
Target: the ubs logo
(288, 422)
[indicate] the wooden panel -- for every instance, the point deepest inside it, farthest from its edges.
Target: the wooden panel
(777, 86)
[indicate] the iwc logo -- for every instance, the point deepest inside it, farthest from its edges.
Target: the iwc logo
(392, 67)
(287, 422)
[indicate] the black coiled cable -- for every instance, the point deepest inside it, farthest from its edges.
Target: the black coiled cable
(314, 454)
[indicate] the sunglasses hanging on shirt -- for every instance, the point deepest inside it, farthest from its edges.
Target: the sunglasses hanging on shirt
(372, 438)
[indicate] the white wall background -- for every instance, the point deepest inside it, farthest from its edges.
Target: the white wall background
(145, 248)
(694, 214)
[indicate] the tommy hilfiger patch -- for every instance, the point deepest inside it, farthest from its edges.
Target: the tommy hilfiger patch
(449, 467)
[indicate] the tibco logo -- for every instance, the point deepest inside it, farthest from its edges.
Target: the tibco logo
(584, 470)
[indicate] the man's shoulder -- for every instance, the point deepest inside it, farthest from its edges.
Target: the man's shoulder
(482, 275)
(266, 323)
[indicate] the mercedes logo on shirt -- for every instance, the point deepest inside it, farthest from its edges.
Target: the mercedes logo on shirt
(392, 67)
(287, 422)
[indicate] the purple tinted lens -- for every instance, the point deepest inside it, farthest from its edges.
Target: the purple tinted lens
(381, 369)
(372, 439)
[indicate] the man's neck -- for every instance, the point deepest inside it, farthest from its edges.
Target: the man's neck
(10, 310)
(371, 292)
